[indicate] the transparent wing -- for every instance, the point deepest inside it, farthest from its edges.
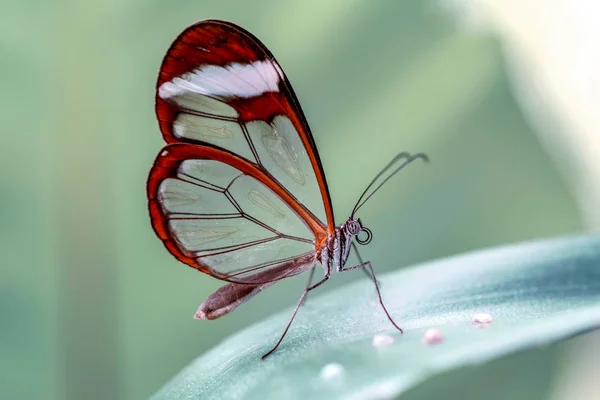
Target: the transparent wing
(217, 213)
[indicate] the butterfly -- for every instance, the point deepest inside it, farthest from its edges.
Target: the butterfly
(238, 192)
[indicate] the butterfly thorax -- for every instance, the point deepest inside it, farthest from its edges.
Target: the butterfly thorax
(336, 251)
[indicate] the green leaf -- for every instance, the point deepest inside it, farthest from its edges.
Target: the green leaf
(537, 293)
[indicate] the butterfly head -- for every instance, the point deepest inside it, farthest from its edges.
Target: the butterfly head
(355, 228)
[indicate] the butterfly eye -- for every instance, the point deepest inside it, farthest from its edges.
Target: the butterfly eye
(353, 227)
(366, 240)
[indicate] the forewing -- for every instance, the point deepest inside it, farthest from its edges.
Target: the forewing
(222, 215)
(219, 85)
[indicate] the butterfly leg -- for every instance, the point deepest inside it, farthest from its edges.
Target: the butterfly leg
(366, 271)
(362, 266)
(367, 264)
(310, 278)
(304, 294)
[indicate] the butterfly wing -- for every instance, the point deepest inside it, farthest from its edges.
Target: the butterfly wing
(224, 216)
(240, 190)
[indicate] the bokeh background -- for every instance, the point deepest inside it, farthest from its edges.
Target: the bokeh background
(502, 95)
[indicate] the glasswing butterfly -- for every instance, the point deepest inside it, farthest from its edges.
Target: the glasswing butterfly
(239, 192)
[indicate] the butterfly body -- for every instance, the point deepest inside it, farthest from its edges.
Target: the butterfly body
(336, 251)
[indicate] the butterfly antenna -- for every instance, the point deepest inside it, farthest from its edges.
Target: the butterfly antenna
(408, 159)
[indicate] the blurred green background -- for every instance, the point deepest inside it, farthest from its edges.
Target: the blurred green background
(92, 304)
